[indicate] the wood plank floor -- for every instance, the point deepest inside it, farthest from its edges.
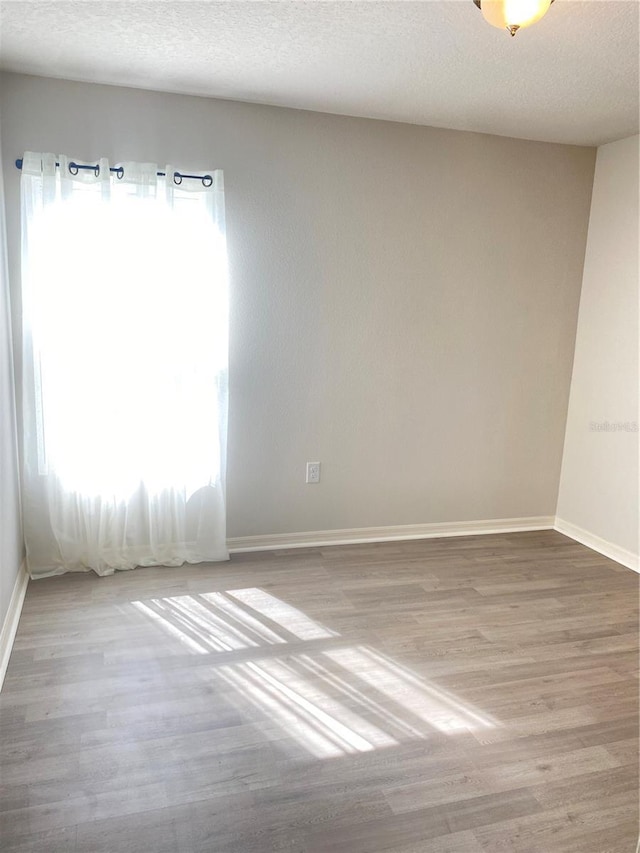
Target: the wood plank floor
(442, 696)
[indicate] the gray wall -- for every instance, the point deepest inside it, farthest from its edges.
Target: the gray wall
(404, 299)
(599, 485)
(11, 546)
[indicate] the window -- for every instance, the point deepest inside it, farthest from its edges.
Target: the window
(126, 326)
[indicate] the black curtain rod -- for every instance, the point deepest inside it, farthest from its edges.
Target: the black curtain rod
(207, 180)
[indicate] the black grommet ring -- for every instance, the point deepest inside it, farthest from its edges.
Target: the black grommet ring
(207, 180)
(177, 178)
(73, 168)
(119, 173)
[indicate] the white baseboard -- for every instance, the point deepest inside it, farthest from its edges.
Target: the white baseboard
(11, 619)
(403, 532)
(596, 543)
(354, 536)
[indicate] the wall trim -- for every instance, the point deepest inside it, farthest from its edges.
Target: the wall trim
(11, 619)
(354, 536)
(596, 543)
(402, 532)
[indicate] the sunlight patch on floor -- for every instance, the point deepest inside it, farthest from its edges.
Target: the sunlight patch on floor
(336, 700)
(275, 610)
(420, 699)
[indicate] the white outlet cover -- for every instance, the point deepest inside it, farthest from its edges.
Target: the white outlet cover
(313, 472)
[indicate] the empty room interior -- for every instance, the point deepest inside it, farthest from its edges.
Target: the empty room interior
(319, 428)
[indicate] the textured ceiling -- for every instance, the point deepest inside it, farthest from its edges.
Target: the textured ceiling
(573, 77)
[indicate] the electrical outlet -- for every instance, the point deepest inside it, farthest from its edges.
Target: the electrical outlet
(313, 472)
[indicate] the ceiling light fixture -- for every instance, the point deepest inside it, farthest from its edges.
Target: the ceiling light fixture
(512, 15)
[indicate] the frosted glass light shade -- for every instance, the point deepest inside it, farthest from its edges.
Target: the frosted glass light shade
(513, 14)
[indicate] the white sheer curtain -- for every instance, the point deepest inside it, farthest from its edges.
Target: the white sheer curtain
(125, 341)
